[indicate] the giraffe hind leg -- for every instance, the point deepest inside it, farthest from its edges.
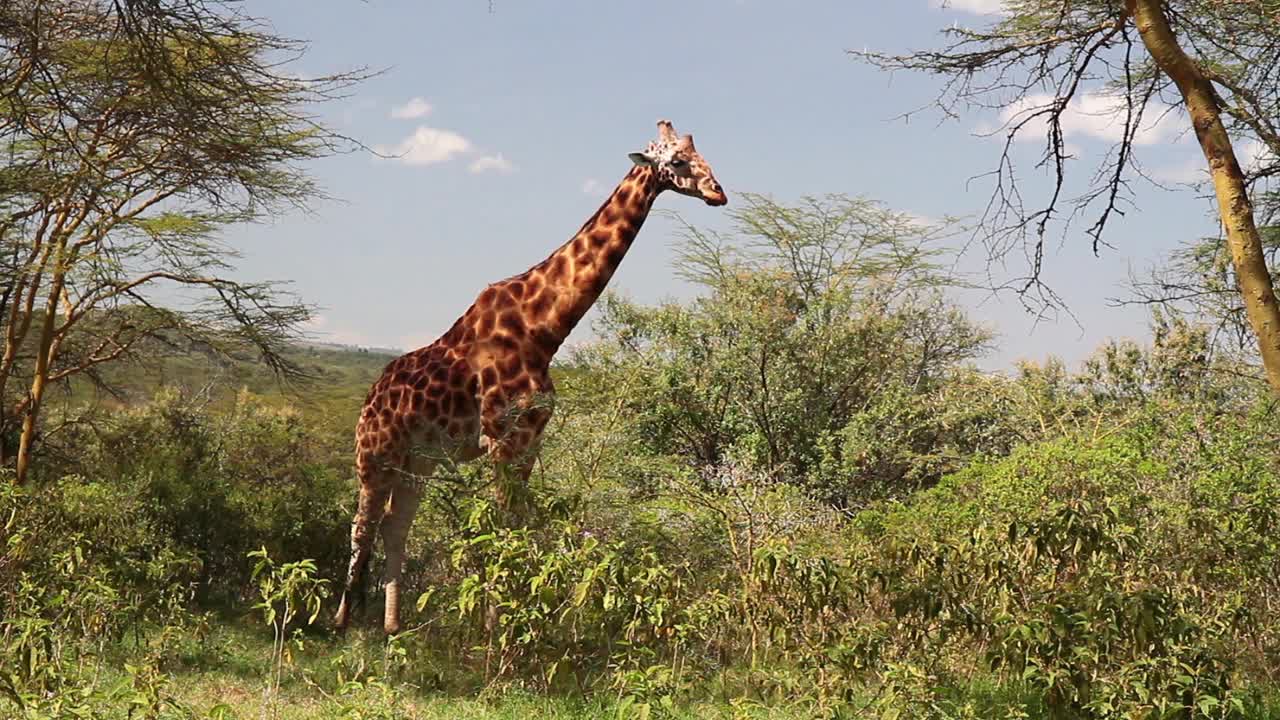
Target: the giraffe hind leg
(395, 531)
(374, 492)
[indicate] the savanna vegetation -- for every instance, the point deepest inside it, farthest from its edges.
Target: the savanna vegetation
(794, 495)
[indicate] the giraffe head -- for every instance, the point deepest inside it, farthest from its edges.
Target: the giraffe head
(680, 167)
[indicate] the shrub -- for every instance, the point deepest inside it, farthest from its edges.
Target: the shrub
(1117, 576)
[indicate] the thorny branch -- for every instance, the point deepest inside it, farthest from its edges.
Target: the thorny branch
(1035, 64)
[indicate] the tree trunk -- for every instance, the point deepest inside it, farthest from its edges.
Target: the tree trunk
(1234, 206)
(40, 378)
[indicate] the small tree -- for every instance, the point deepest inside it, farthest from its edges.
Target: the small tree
(133, 132)
(813, 315)
(1219, 59)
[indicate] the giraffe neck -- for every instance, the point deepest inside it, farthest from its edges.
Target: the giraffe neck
(578, 271)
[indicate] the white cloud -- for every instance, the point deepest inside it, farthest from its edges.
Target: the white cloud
(593, 187)
(1254, 155)
(496, 163)
(1191, 171)
(979, 7)
(1096, 115)
(428, 146)
(415, 108)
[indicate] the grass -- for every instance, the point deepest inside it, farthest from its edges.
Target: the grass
(226, 670)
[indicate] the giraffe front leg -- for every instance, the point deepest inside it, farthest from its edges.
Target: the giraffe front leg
(512, 443)
(511, 486)
(395, 531)
(369, 511)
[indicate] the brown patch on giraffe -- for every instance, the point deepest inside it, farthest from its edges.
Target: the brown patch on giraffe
(517, 289)
(484, 325)
(546, 340)
(534, 285)
(506, 344)
(601, 281)
(514, 387)
(509, 366)
(531, 357)
(557, 269)
(541, 305)
(615, 253)
(511, 322)
(459, 401)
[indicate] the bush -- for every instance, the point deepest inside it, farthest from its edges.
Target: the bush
(820, 319)
(225, 484)
(1117, 576)
(82, 568)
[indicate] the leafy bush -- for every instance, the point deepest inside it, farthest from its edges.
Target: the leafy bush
(225, 484)
(818, 320)
(555, 603)
(82, 569)
(1118, 576)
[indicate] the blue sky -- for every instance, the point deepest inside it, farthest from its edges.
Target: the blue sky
(516, 123)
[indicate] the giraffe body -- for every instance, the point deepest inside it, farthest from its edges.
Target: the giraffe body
(484, 387)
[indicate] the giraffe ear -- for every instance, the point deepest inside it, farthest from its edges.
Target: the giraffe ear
(640, 158)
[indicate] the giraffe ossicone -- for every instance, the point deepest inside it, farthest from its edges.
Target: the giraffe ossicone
(484, 387)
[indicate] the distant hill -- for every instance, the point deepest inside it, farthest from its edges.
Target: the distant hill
(338, 378)
(332, 394)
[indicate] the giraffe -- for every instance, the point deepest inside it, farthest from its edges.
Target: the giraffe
(483, 387)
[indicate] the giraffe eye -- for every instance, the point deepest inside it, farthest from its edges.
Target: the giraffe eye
(677, 162)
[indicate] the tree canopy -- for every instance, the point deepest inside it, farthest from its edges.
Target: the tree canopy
(1216, 60)
(133, 133)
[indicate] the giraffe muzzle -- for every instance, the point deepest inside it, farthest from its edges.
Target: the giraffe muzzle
(715, 196)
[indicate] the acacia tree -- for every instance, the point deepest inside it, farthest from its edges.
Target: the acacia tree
(1217, 59)
(820, 334)
(134, 130)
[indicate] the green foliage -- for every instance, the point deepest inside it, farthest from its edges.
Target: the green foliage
(1116, 576)
(819, 320)
(286, 591)
(709, 527)
(66, 605)
(223, 485)
(559, 604)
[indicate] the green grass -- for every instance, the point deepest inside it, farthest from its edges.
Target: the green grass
(231, 665)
